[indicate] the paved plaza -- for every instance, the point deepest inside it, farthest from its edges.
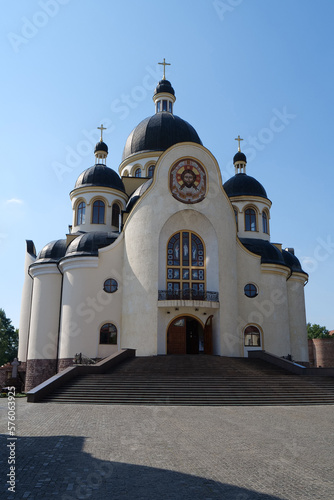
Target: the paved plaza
(72, 452)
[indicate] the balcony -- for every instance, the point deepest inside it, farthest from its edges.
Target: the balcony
(190, 297)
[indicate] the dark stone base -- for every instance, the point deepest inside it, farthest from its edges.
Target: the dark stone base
(64, 363)
(39, 370)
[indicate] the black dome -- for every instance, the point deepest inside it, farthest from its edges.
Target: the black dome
(243, 184)
(158, 133)
(137, 194)
(89, 243)
(101, 146)
(239, 156)
(52, 252)
(164, 86)
(268, 252)
(292, 261)
(100, 175)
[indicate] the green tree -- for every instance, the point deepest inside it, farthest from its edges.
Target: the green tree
(316, 331)
(9, 339)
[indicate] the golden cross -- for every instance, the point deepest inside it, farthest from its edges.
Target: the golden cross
(101, 128)
(238, 139)
(164, 64)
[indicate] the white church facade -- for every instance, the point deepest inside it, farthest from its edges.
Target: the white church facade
(162, 258)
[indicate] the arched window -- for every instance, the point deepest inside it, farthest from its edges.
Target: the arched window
(81, 213)
(265, 222)
(236, 217)
(110, 285)
(115, 215)
(98, 212)
(250, 220)
(150, 171)
(108, 334)
(252, 336)
(126, 173)
(186, 266)
(138, 172)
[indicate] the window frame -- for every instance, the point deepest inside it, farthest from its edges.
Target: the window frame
(113, 285)
(81, 213)
(250, 293)
(98, 211)
(250, 219)
(111, 340)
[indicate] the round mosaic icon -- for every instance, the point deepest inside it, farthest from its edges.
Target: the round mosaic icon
(188, 181)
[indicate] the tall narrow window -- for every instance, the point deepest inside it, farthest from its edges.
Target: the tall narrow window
(108, 334)
(265, 222)
(138, 172)
(250, 220)
(186, 266)
(236, 217)
(81, 213)
(150, 171)
(115, 215)
(98, 212)
(164, 105)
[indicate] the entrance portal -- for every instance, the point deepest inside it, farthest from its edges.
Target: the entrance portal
(186, 335)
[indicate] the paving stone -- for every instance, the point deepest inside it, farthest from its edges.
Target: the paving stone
(152, 453)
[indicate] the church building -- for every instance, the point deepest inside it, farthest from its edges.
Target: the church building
(162, 257)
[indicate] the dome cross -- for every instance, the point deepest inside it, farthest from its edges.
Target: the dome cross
(164, 64)
(238, 139)
(101, 128)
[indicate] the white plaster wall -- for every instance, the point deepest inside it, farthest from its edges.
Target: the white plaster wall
(297, 318)
(273, 309)
(143, 257)
(25, 309)
(43, 335)
(86, 306)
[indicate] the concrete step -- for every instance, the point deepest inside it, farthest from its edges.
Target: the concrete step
(196, 380)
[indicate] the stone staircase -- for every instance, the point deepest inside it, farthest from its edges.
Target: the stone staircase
(196, 380)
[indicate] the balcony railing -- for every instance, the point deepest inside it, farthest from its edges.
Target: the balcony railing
(188, 294)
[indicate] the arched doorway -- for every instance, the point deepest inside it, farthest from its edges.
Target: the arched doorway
(186, 335)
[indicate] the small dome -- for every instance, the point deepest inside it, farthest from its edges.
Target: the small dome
(268, 252)
(101, 146)
(100, 175)
(137, 194)
(158, 133)
(292, 261)
(52, 252)
(164, 86)
(88, 244)
(244, 185)
(239, 156)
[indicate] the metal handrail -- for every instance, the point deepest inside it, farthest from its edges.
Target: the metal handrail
(189, 294)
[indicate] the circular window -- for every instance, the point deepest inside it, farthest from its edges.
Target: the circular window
(250, 290)
(110, 285)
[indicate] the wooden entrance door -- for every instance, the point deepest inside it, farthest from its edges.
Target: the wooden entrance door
(208, 336)
(177, 337)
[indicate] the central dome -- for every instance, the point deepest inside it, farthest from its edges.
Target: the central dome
(158, 133)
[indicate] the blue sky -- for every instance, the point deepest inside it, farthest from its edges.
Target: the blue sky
(262, 69)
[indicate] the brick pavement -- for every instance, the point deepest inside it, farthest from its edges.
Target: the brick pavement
(72, 452)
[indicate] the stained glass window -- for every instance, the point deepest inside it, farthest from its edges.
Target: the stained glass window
(186, 266)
